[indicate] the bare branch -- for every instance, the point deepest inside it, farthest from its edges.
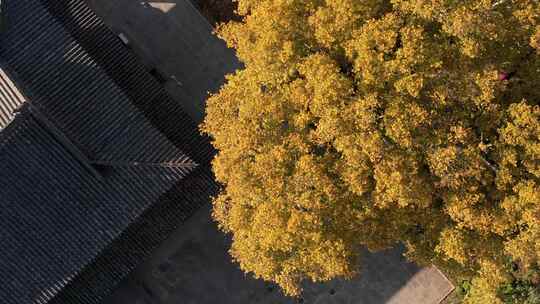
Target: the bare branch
(487, 163)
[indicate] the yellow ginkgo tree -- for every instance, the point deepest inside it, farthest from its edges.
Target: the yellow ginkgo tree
(376, 122)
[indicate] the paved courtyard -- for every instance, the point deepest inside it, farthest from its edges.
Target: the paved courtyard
(172, 37)
(193, 266)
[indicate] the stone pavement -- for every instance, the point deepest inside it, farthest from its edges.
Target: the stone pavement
(193, 266)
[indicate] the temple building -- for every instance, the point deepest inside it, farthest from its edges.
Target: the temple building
(98, 163)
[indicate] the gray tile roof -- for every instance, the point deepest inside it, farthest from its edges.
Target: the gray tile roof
(96, 150)
(100, 278)
(129, 74)
(56, 216)
(75, 93)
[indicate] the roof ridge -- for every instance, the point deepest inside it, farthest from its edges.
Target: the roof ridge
(184, 164)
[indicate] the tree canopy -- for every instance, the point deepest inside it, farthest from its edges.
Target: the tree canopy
(373, 122)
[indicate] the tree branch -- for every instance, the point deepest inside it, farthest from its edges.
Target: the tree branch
(487, 163)
(498, 3)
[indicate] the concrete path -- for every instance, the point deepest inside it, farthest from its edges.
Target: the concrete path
(172, 37)
(193, 267)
